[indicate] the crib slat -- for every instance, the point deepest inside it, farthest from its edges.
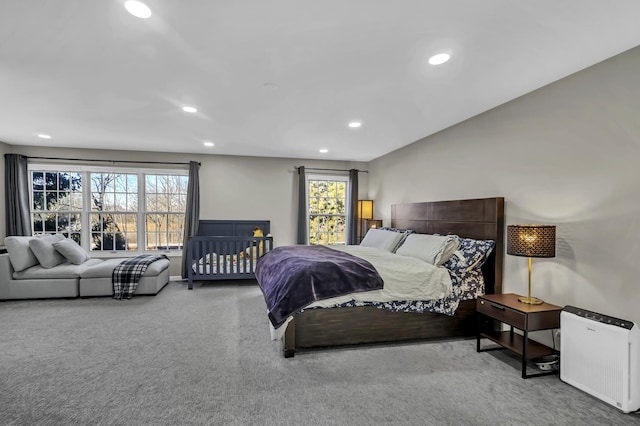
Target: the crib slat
(227, 257)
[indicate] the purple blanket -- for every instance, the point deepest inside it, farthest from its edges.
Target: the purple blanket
(293, 277)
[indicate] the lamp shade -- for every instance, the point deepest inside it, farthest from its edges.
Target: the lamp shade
(365, 209)
(531, 240)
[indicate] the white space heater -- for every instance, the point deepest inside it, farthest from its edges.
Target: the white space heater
(599, 355)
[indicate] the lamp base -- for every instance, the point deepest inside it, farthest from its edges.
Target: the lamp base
(530, 300)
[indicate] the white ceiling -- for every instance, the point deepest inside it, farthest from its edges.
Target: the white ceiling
(283, 78)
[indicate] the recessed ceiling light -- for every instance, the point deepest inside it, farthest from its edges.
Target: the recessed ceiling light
(323, 150)
(43, 136)
(137, 9)
(440, 58)
(355, 124)
(208, 143)
(189, 109)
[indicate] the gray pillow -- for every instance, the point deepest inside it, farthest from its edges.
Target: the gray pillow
(71, 251)
(433, 249)
(43, 248)
(20, 254)
(385, 240)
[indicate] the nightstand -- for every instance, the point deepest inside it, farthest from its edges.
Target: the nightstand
(506, 309)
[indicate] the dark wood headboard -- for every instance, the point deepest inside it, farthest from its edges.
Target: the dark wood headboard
(480, 219)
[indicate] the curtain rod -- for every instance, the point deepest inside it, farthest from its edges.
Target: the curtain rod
(111, 161)
(330, 170)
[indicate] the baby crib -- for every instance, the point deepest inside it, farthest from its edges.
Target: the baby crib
(226, 249)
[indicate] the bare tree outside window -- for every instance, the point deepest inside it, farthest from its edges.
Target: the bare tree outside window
(57, 203)
(166, 201)
(114, 207)
(107, 208)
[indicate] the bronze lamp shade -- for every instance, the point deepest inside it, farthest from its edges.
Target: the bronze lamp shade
(531, 241)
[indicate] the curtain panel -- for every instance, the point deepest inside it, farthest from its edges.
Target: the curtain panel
(352, 208)
(16, 181)
(302, 206)
(192, 213)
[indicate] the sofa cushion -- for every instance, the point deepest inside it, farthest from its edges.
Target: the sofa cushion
(64, 270)
(71, 251)
(20, 254)
(105, 269)
(43, 248)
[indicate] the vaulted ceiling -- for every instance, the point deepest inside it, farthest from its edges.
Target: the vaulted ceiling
(284, 78)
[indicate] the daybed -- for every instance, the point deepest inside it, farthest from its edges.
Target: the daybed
(52, 275)
(227, 249)
(479, 219)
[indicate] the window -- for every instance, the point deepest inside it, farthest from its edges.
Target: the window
(165, 202)
(114, 211)
(327, 206)
(57, 203)
(107, 209)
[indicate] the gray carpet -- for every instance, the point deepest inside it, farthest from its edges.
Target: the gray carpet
(204, 357)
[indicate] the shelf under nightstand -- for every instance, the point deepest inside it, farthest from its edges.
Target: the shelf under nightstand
(506, 309)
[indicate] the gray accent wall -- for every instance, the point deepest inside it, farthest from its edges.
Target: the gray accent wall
(231, 187)
(567, 154)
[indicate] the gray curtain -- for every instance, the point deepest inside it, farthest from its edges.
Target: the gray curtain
(192, 214)
(302, 206)
(352, 208)
(16, 181)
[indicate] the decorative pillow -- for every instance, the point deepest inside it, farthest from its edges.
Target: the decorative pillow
(71, 251)
(433, 249)
(468, 283)
(43, 248)
(385, 240)
(404, 231)
(20, 255)
(474, 252)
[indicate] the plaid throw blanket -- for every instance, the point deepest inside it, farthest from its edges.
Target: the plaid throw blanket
(126, 274)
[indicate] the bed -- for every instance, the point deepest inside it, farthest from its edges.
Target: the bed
(480, 219)
(227, 249)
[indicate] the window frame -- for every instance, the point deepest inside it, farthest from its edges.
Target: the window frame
(328, 177)
(45, 192)
(181, 215)
(85, 216)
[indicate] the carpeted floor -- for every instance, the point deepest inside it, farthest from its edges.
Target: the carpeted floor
(204, 357)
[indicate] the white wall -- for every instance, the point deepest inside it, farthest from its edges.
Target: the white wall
(567, 154)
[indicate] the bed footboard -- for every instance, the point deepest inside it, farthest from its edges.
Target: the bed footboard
(328, 327)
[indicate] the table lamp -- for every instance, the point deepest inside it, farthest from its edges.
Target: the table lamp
(365, 211)
(531, 241)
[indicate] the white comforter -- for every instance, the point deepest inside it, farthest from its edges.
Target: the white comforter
(405, 278)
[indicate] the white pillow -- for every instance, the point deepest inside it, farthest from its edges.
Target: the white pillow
(71, 251)
(433, 249)
(43, 248)
(385, 240)
(20, 254)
